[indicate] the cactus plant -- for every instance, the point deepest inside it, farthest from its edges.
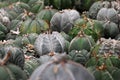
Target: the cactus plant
(107, 59)
(10, 71)
(60, 68)
(95, 7)
(105, 66)
(26, 42)
(63, 20)
(46, 43)
(108, 14)
(85, 4)
(36, 5)
(30, 65)
(101, 73)
(46, 14)
(111, 29)
(19, 7)
(33, 26)
(26, 39)
(90, 27)
(81, 41)
(106, 46)
(17, 55)
(79, 56)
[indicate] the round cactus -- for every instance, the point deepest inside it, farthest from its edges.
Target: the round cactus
(90, 27)
(104, 66)
(33, 26)
(46, 43)
(78, 25)
(107, 59)
(95, 29)
(19, 7)
(30, 65)
(110, 73)
(17, 55)
(81, 42)
(60, 68)
(63, 20)
(79, 56)
(107, 14)
(96, 6)
(10, 71)
(46, 14)
(26, 39)
(111, 30)
(107, 46)
(26, 42)
(36, 5)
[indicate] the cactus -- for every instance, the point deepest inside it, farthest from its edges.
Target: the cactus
(107, 46)
(108, 14)
(90, 27)
(79, 56)
(63, 20)
(30, 65)
(46, 43)
(81, 41)
(46, 14)
(61, 68)
(17, 55)
(33, 26)
(10, 71)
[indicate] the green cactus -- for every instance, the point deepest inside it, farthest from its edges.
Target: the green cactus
(81, 56)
